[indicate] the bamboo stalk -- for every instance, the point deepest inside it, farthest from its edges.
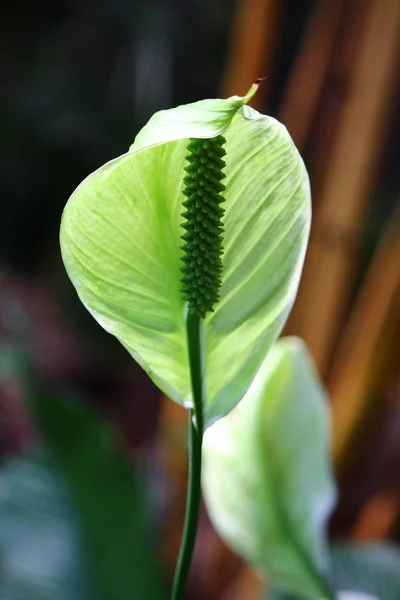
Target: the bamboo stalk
(247, 585)
(333, 249)
(252, 48)
(367, 346)
(377, 518)
(334, 94)
(309, 71)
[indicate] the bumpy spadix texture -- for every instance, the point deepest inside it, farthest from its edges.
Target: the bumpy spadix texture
(121, 245)
(203, 224)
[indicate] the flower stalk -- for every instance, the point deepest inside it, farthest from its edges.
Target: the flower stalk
(202, 267)
(195, 453)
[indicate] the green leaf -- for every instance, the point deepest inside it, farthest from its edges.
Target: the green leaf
(120, 241)
(365, 571)
(267, 475)
(108, 499)
(279, 595)
(373, 569)
(85, 481)
(203, 119)
(355, 596)
(41, 555)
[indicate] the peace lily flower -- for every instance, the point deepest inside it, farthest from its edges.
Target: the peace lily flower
(121, 245)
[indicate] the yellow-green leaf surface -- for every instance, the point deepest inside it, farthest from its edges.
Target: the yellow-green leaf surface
(267, 477)
(120, 241)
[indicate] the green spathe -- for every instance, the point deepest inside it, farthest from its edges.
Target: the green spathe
(267, 477)
(121, 237)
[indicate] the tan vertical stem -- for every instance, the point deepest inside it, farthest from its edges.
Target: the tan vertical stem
(333, 250)
(366, 347)
(252, 48)
(308, 73)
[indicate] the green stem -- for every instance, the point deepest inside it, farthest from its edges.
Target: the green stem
(195, 444)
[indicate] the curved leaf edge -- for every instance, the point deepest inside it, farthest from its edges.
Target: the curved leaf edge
(202, 119)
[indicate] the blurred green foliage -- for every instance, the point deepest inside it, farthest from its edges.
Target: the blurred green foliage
(371, 569)
(41, 554)
(74, 516)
